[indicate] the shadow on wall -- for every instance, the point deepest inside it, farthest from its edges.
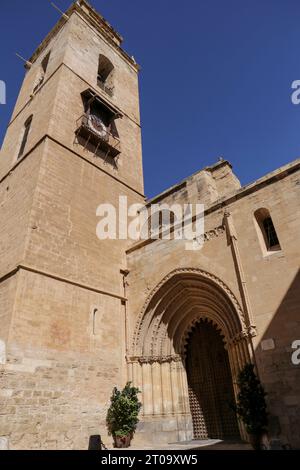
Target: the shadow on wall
(281, 378)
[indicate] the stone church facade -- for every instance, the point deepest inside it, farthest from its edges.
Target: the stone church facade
(81, 315)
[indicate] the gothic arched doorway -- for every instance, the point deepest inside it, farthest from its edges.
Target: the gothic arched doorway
(210, 384)
(158, 362)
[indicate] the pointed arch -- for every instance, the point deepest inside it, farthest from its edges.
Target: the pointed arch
(158, 359)
(180, 299)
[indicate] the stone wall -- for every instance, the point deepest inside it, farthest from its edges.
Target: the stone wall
(62, 299)
(69, 319)
(266, 284)
(61, 364)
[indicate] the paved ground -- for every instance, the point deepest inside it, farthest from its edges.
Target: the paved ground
(209, 444)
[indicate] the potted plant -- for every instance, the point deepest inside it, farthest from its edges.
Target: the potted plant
(122, 415)
(251, 405)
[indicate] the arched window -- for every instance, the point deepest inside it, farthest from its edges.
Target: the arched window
(266, 230)
(105, 74)
(96, 321)
(26, 131)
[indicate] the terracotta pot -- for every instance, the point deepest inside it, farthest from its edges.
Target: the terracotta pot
(256, 441)
(122, 442)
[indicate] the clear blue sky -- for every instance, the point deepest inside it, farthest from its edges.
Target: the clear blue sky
(216, 78)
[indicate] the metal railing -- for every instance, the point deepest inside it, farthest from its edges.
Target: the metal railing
(103, 137)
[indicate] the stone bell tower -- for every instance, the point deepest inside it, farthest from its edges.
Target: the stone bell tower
(73, 142)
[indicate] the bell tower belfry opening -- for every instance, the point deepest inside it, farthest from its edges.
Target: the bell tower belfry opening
(81, 92)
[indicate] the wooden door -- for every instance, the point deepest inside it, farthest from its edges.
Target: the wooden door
(210, 385)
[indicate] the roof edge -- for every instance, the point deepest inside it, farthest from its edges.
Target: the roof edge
(219, 164)
(83, 8)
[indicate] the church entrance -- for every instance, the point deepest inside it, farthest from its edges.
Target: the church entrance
(180, 361)
(210, 384)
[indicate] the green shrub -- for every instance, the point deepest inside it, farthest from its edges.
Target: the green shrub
(251, 406)
(122, 415)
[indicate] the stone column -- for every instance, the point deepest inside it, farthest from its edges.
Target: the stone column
(166, 388)
(175, 386)
(130, 371)
(186, 431)
(233, 366)
(184, 388)
(137, 378)
(147, 388)
(239, 356)
(156, 389)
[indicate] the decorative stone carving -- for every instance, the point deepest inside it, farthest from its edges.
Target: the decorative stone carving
(136, 340)
(246, 333)
(252, 331)
(188, 331)
(210, 234)
(153, 359)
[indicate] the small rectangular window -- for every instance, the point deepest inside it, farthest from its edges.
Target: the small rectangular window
(27, 126)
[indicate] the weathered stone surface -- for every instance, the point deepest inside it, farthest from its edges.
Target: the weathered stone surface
(73, 324)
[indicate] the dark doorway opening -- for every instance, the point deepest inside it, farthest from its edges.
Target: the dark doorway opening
(210, 384)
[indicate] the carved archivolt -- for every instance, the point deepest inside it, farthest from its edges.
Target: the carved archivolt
(181, 299)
